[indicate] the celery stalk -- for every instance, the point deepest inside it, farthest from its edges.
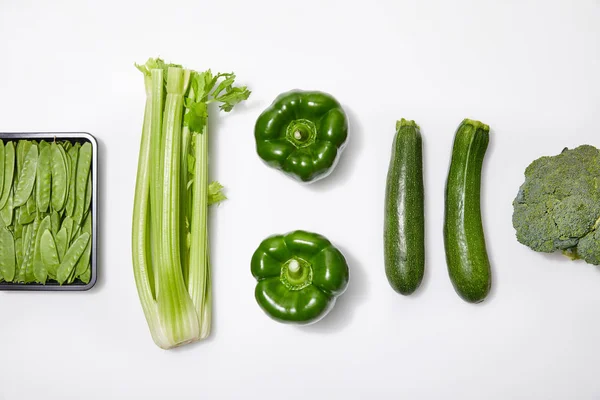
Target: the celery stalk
(170, 224)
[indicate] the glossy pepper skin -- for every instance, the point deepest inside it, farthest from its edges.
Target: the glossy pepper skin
(302, 133)
(300, 275)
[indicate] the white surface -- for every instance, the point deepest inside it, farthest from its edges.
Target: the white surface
(529, 69)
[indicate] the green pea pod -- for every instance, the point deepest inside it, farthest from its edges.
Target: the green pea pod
(88, 196)
(73, 156)
(6, 213)
(49, 253)
(23, 147)
(7, 255)
(42, 145)
(59, 177)
(9, 170)
(40, 271)
(83, 170)
(26, 177)
(66, 145)
(29, 275)
(62, 242)
(85, 277)
(19, 250)
(71, 257)
(28, 235)
(24, 216)
(69, 226)
(84, 262)
(55, 222)
(31, 203)
(1, 165)
(44, 179)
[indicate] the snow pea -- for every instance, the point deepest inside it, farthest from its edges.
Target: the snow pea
(44, 179)
(84, 262)
(88, 195)
(73, 156)
(19, 251)
(6, 213)
(62, 242)
(55, 222)
(9, 170)
(1, 165)
(23, 147)
(59, 177)
(26, 177)
(69, 226)
(71, 257)
(83, 170)
(49, 253)
(40, 271)
(7, 255)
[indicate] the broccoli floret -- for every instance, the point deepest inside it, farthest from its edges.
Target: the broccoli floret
(558, 206)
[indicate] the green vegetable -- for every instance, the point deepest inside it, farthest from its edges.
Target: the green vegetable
(81, 180)
(466, 254)
(9, 168)
(7, 255)
(71, 257)
(49, 253)
(302, 134)
(299, 276)
(59, 177)
(26, 177)
(34, 193)
(404, 224)
(170, 232)
(558, 205)
(44, 179)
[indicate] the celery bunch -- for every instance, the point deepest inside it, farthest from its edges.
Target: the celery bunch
(172, 195)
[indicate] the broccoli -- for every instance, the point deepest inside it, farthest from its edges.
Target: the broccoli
(558, 205)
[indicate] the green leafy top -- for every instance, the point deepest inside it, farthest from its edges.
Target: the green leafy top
(207, 88)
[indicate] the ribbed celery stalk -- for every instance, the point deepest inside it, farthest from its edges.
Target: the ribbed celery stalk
(170, 224)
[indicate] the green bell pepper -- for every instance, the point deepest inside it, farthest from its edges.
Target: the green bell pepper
(302, 134)
(300, 275)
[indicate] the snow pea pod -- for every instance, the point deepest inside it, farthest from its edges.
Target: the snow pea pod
(59, 177)
(40, 271)
(9, 170)
(49, 253)
(19, 251)
(69, 226)
(55, 222)
(71, 257)
(29, 275)
(84, 262)
(25, 217)
(26, 177)
(23, 147)
(7, 255)
(88, 196)
(62, 242)
(1, 165)
(83, 170)
(6, 213)
(44, 179)
(73, 156)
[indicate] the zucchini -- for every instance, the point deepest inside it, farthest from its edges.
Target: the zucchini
(466, 254)
(404, 224)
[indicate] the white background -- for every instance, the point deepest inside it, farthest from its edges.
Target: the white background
(530, 69)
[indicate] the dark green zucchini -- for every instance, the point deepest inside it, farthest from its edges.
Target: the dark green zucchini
(466, 254)
(404, 225)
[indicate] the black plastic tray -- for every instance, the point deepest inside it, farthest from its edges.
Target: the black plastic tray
(81, 137)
